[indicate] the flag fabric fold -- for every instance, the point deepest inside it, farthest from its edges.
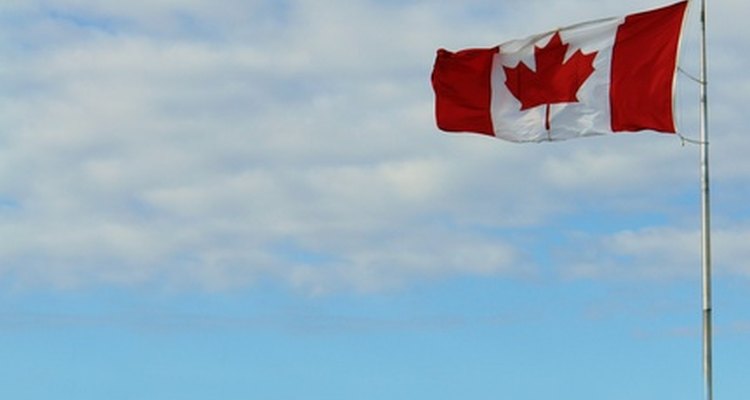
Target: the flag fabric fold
(598, 77)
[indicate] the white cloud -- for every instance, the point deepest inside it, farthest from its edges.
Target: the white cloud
(659, 253)
(212, 145)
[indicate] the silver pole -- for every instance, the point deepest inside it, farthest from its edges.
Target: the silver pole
(706, 217)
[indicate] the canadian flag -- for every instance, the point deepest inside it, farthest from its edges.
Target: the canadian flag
(598, 77)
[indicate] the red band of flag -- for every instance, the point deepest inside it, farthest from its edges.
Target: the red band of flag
(462, 83)
(644, 62)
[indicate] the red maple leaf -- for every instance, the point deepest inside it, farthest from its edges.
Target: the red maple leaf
(555, 80)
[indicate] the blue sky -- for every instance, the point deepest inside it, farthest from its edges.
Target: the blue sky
(249, 199)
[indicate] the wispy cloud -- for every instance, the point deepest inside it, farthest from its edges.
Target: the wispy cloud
(659, 253)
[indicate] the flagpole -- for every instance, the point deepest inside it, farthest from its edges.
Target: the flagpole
(705, 216)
